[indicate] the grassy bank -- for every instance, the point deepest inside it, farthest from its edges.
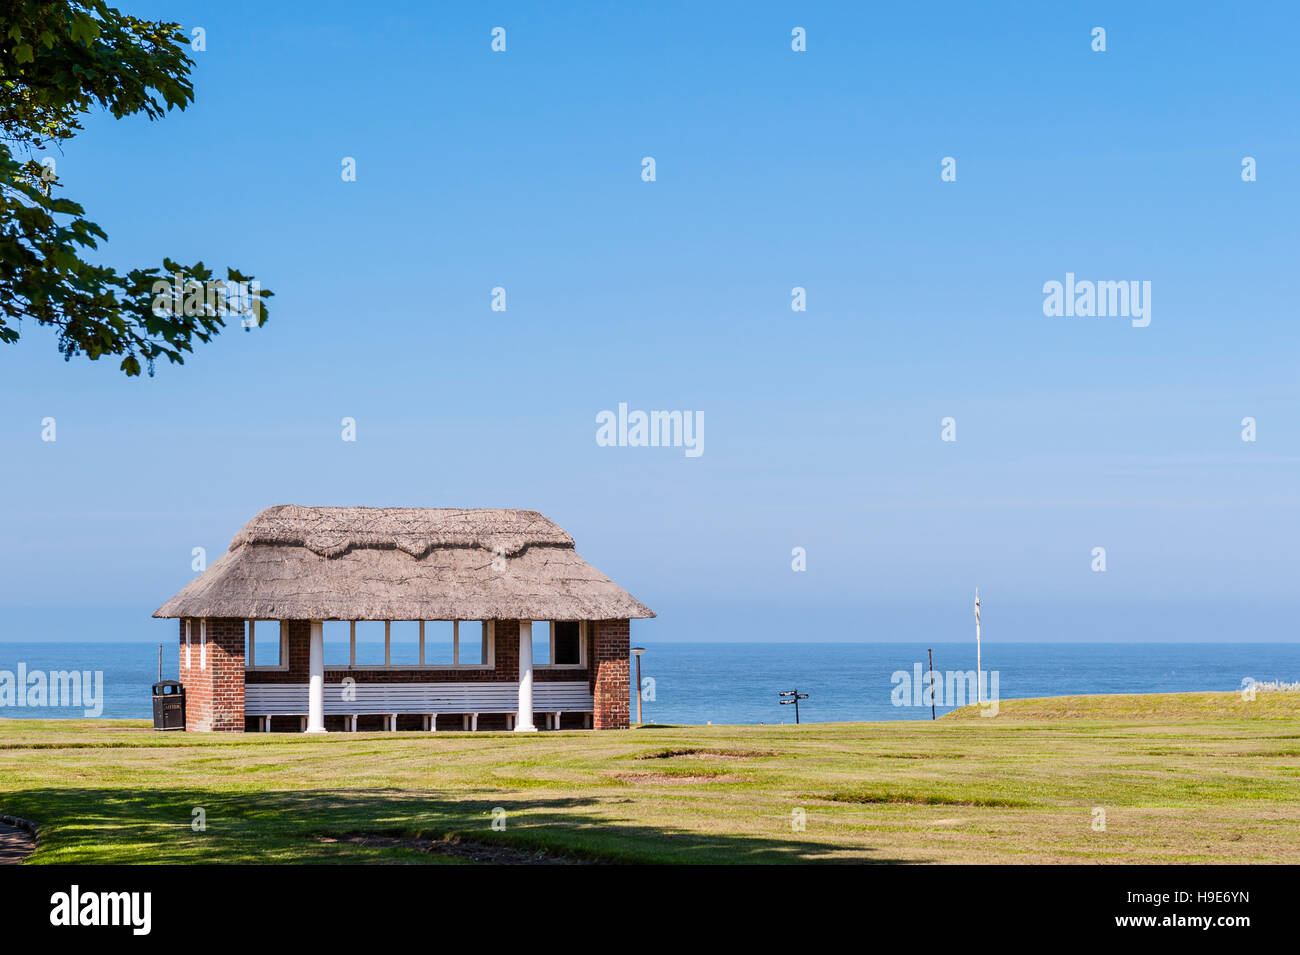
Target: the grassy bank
(1181, 778)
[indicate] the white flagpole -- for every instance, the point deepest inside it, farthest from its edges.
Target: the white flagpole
(979, 668)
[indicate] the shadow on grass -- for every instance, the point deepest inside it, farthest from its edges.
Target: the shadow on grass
(195, 826)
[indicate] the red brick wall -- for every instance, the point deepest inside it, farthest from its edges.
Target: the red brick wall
(198, 710)
(214, 689)
(610, 678)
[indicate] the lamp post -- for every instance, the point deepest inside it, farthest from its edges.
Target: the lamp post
(930, 651)
(636, 652)
(979, 665)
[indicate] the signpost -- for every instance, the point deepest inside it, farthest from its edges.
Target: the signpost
(793, 696)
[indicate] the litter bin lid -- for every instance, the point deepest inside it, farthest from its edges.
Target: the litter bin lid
(166, 687)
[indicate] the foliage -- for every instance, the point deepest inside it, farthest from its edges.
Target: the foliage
(58, 61)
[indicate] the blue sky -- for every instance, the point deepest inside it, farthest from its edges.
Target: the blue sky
(774, 169)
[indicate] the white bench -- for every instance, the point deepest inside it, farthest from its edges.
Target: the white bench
(391, 700)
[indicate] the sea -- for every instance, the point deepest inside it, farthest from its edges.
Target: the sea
(696, 683)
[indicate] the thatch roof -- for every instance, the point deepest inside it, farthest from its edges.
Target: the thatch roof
(402, 563)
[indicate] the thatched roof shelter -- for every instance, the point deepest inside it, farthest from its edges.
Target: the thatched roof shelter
(399, 563)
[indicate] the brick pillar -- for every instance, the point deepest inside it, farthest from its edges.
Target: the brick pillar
(298, 645)
(214, 680)
(506, 650)
(610, 681)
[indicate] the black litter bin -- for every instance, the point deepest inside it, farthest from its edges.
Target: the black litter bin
(168, 705)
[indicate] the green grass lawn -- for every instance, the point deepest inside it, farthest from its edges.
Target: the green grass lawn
(1204, 777)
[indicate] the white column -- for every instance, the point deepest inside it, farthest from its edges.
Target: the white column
(524, 721)
(316, 672)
